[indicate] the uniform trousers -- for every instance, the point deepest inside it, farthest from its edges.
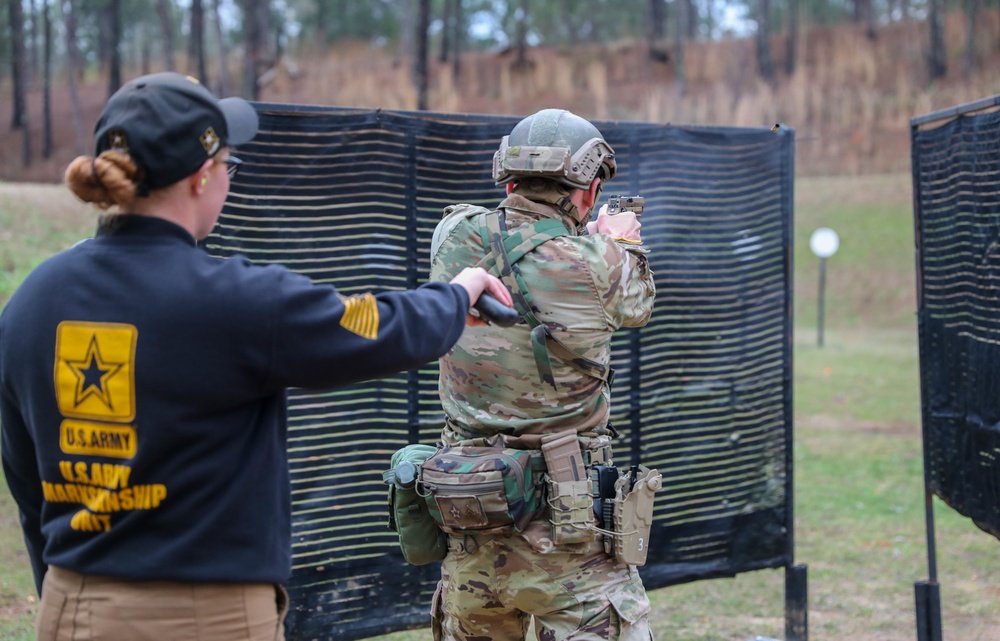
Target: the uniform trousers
(75, 607)
(492, 587)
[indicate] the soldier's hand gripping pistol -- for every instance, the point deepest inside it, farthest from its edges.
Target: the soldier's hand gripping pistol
(624, 229)
(618, 204)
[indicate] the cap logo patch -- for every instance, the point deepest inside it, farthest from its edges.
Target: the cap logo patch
(210, 141)
(361, 316)
(117, 141)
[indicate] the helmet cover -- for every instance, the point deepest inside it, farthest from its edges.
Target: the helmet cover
(554, 144)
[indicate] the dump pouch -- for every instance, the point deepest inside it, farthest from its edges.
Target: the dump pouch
(420, 538)
(480, 490)
(633, 514)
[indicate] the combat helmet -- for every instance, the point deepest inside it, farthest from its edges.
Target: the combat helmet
(554, 144)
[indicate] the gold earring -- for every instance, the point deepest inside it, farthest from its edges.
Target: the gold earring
(204, 181)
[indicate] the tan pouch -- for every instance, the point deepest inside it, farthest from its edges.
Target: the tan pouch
(571, 507)
(633, 515)
(571, 511)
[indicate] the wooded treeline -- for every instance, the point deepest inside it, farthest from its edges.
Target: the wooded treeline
(233, 46)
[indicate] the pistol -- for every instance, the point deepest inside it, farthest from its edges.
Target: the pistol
(618, 204)
(494, 312)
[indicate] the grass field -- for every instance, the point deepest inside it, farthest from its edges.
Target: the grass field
(859, 500)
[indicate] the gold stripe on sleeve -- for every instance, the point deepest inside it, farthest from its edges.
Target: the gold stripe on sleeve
(361, 316)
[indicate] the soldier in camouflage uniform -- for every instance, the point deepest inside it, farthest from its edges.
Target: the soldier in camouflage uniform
(516, 384)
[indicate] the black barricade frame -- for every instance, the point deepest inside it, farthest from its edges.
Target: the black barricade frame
(703, 393)
(956, 170)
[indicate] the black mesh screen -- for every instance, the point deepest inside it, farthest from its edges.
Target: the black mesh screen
(956, 173)
(703, 393)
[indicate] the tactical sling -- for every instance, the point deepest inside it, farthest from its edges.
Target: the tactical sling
(503, 250)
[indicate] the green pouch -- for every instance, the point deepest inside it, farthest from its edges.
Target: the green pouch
(480, 490)
(420, 538)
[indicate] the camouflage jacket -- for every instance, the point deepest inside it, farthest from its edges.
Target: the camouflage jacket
(584, 288)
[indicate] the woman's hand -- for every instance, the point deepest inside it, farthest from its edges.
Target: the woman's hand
(477, 280)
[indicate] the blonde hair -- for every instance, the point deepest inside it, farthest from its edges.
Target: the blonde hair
(105, 181)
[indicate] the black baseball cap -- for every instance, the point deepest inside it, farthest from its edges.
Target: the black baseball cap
(170, 124)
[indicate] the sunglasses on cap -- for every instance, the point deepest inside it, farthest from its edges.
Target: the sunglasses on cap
(233, 166)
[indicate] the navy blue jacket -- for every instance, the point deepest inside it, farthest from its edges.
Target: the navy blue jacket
(143, 398)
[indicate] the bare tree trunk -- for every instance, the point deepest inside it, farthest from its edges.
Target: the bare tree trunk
(277, 48)
(19, 113)
(936, 62)
(256, 32)
(764, 62)
(446, 30)
(163, 8)
(192, 60)
(225, 83)
(793, 37)
(267, 51)
(320, 38)
(251, 54)
(690, 19)
(680, 33)
(521, 20)
(19, 71)
(196, 60)
(971, 9)
(33, 67)
(423, 23)
(864, 12)
(72, 70)
(145, 47)
(407, 29)
(861, 10)
(46, 81)
(458, 40)
(570, 24)
(115, 58)
(654, 30)
(103, 10)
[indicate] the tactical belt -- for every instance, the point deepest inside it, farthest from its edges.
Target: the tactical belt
(503, 250)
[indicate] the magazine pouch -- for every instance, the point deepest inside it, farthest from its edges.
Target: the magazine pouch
(571, 511)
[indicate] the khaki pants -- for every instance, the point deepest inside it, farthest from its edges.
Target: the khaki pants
(75, 607)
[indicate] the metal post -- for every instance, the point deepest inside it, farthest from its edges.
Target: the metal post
(928, 596)
(928, 593)
(822, 296)
(796, 603)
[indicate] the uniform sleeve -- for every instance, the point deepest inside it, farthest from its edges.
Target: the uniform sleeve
(20, 468)
(323, 339)
(627, 283)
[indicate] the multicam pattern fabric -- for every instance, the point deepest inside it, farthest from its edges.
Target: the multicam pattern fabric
(521, 160)
(480, 489)
(584, 288)
(491, 587)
